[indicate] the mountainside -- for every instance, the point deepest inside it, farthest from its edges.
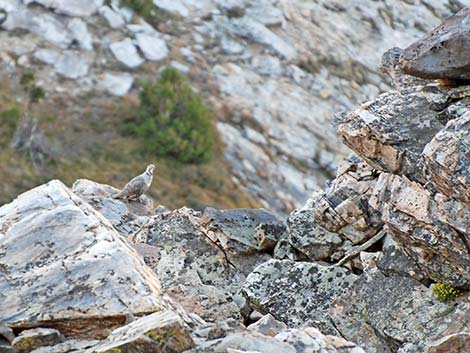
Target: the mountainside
(377, 262)
(275, 73)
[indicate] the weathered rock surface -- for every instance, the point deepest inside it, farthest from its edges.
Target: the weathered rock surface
(242, 230)
(58, 261)
(126, 53)
(382, 313)
(444, 53)
(32, 339)
(162, 332)
(297, 292)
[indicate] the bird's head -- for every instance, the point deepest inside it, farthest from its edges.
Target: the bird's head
(150, 169)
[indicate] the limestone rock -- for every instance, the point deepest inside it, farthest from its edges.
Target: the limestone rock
(29, 340)
(161, 332)
(117, 84)
(242, 230)
(153, 47)
(297, 292)
(81, 8)
(174, 7)
(383, 313)
(58, 258)
(444, 53)
(126, 53)
(72, 65)
(114, 18)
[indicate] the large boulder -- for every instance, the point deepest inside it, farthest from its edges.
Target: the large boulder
(62, 265)
(444, 53)
(297, 292)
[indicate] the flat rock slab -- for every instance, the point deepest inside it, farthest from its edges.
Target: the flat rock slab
(70, 7)
(29, 340)
(126, 52)
(62, 265)
(297, 293)
(162, 332)
(444, 53)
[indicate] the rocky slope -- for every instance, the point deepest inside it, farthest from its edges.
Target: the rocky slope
(377, 262)
(274, 71)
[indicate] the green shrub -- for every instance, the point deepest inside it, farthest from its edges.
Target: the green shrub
(173, 121)
(141, 7)
(36, 93)
(444, 292)
(27, 78)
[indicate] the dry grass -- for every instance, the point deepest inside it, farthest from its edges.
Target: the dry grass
(83, 134)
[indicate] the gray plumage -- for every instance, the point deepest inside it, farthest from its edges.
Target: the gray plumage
(135, 188)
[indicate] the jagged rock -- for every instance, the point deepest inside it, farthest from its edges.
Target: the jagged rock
(6, 333)
(297, 292)
(162, 332)
(58, 261)
(247, 27)
(153, 47)
(126, 53)
(29, 340)
(70, 345)
(242, 230)
(267, 65)
(391, 132)
(455, 343)
(443, 53)
(310, 238)
(114, 18)
(81, 8)
(193, 271)
(304, 340)
(117, 84)
(382, 313)
(267, 326)
(431, 228)
(446, 158)
(127, 217)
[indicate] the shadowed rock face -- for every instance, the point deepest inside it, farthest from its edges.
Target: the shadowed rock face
(444, 53)
(59, 262)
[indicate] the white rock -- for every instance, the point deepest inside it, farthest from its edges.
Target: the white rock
(72, 65)
(127, 13)
(115, 19)
(153, 47)
(126, 53)
(267, 65)
(256, 31)
(173, 6)
(117, 84)
(229, 46)
(47, 56)
(79, 33)
(179, 66)
(8, 5)
(64, 259)
(47, 26)
(70, 7)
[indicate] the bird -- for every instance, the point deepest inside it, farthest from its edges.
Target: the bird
(138, 185)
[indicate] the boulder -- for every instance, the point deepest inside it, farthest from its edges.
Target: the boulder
(58, 267)
(297, 293)
(126, 53)
(152, 46)
(384, 313)
(267, 326)
(71, 64)
(117, 84)
(242, 230)
(113, 17)
(444, 53)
